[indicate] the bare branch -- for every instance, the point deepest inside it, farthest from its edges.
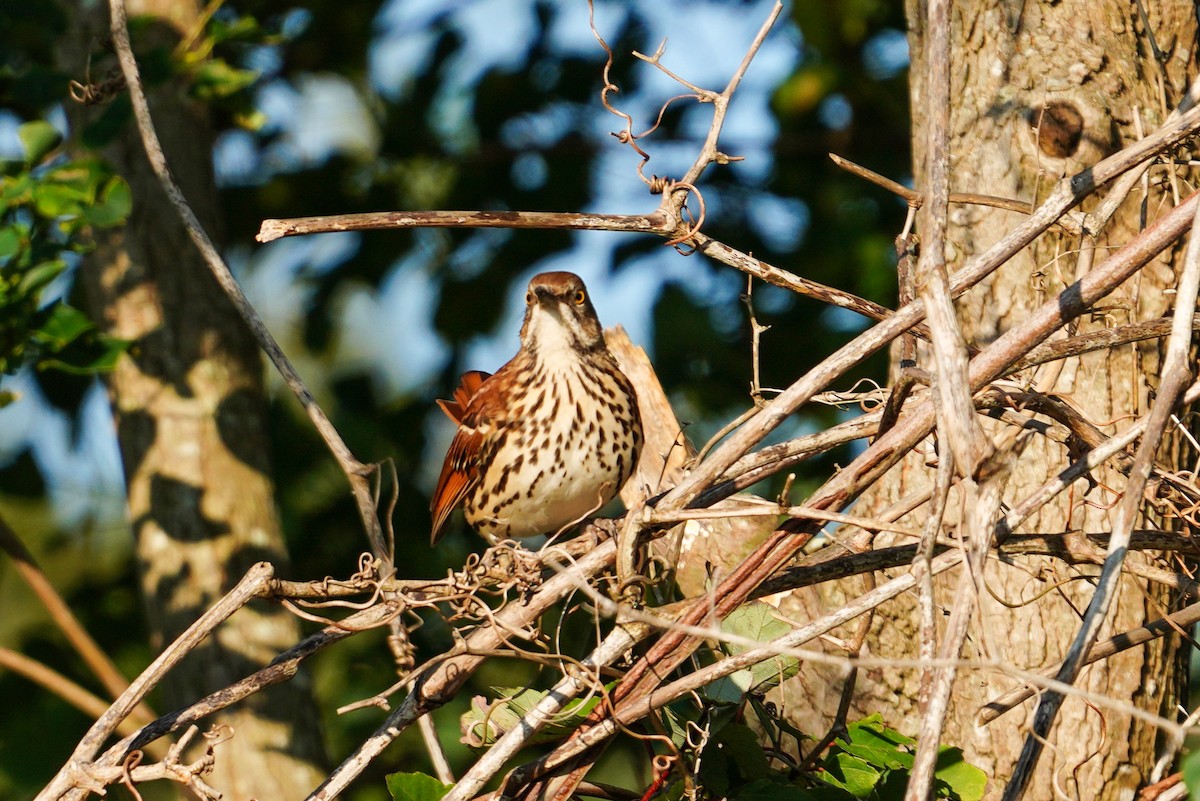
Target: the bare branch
(656, 223)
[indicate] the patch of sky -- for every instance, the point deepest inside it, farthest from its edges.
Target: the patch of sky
(529, 172)
(336, 120)
(539, 129)
(782, 222)
(835, 112)
(472, 256)
(886, 54)
(272, 275)
(569, 29)
(770, 299)
(236, 159)
(844, 321)
(373, 321)
(266, 60)
(294, 22)
(79, 471)
(10, 143)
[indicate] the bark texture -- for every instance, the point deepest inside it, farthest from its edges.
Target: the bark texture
(190, 414)
(1039, 90)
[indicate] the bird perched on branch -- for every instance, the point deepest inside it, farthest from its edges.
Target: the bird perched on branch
(552, 436)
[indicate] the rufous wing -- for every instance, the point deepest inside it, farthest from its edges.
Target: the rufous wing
(468, 385)
(460, 471)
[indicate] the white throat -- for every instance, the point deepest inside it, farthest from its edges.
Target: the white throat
(554, 348)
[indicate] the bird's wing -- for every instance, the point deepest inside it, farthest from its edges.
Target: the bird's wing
(468, 385)
(473, 410)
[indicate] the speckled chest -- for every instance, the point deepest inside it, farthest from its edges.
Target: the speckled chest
(569, 444)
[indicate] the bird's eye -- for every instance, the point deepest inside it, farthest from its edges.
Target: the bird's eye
(529, 298)
(579, 297)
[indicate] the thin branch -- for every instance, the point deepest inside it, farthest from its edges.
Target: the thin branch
(1065, 195)
(573, 683)
(655, 223)
(283, 668)
(437, 684)
(673, 647)
(1099, 340)
(956, 419)
(916, 199)
(709, 153)
(776, 276)
(437, 756)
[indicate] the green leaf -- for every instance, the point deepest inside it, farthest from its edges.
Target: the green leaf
(415, 787)
(38, 138)
(216, 79)
(16, 190)
(99, 355)
(850, 773)
(741, 745)
(733, 756)
(58, 200)
(7, 397)
(116, 201)
(965, 781)
(759, 622)
(36, 278)
(63, 325)
(11, 241)
(244, 28)
(878, 745)
(675, 718)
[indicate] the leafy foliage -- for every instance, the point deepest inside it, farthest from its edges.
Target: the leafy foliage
(415, 787)
(873, 761)
(48, 206)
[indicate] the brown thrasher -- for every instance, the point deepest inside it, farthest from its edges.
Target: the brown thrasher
(552, 436)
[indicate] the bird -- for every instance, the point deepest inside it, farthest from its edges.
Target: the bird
(552, 436)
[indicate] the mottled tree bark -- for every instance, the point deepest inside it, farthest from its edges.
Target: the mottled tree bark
(1085, 71)
(191, 421)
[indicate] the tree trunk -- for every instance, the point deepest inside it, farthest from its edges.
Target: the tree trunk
(1083, 70)
(191, 421)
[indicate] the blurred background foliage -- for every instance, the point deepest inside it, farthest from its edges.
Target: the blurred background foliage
(332, 107)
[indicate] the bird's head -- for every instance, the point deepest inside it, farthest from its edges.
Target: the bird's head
(559, 314)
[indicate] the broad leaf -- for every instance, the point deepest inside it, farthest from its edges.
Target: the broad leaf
(38, 138)
(415, 787)
(965, 781)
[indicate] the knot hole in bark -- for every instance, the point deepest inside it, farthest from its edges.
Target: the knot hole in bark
(1059, 128)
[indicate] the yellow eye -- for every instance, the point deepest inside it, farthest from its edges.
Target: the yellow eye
(579, 297)
(529, 298)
